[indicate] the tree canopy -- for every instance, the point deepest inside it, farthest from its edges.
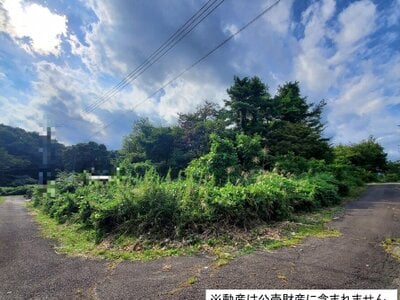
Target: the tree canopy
(21, 157)
(254, 130)
(258, 126)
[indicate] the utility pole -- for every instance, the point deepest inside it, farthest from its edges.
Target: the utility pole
(45, 170)
(398, 145)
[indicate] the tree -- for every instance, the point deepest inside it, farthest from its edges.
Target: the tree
(392, 173)
(147, 142)
(23, 157)
(368, 155)
(249, 104)
(196, 127)
(86, 156)
(12, 167)
(298, 139)
(296, 126)
(289, 106)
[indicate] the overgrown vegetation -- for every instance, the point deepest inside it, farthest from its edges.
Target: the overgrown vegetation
(176, 208)
(392, 172)
(26, 190)
(258, 160)
(230, 242)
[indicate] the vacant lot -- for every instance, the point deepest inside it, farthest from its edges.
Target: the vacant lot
(30, 268)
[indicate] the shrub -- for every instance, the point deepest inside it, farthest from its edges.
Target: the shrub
(164, 207)
(221, 163)
(139, 169)
(25, 190)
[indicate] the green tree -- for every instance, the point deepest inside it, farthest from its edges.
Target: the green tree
(12, 167)
(289, 105)
(392, 173)
(249, 104)
(367, 154)
(195, 129)
(23, 158)
(299, 139)
(87, 156)
(147, 142)
(296, 126)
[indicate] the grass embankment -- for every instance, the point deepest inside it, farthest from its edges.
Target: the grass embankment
(17, 190)
(150, 217)
(76, 240)
(2, 200)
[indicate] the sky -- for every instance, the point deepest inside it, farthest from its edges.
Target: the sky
(59, 58)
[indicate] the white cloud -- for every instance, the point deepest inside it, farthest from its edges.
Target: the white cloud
(280, 18)
(230, 29)
(19, 115)
(185, 95)
(97, 53)
(362, 108)
(356, 23)
(311, 64)
(134, 100)
(326, 53)
(361, 95)
(394, 15)
(338, 61)
(61, 89)
(34, 27)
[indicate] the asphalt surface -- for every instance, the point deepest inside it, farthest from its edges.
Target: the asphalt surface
(30, 268)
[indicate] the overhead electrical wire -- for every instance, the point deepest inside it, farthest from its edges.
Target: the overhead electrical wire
(160, 52)
(263, 12)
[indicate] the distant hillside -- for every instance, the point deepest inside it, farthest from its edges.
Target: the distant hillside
(20, 156)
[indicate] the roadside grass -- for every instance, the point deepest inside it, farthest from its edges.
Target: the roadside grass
(17, 190)
(392, 246)
(75, 240)
(2, 199)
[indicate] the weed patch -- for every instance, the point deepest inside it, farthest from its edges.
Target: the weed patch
(392, 246)
(230, 242)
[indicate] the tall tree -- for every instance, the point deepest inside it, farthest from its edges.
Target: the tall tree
(148, 142)
(197, 126)
(87, 156)
(289, 105)
(296, 127)
(249, 104)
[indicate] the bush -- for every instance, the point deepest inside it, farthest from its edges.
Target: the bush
(162, 207)
(25, 190)
(138, 169)
(221, 163)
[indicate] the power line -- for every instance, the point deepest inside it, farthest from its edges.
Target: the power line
(161, 51)
(263, 12)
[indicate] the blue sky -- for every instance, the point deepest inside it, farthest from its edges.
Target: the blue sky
(58, 57)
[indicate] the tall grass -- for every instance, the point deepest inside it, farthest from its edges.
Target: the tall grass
(175, 208)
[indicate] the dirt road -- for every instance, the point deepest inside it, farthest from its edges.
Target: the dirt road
(30, 268)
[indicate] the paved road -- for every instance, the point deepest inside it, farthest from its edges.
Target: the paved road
(29, 267)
